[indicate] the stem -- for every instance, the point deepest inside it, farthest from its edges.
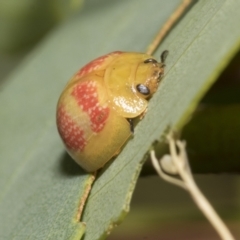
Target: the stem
(167, 26)
(164, 175)
(182, 167)
(207, 209)
(184, 171)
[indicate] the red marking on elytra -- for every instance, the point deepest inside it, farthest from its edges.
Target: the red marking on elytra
(95, 64)
(87, 98)
(71, 133)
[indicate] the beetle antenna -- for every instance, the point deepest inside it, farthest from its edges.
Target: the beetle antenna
(164, 56)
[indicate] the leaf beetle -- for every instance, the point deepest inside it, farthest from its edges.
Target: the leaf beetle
(96, 109)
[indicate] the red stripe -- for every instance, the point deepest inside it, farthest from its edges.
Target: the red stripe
(87, 98)
(71, 133)
(95, 64)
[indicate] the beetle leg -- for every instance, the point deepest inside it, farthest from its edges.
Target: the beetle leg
(130, 120)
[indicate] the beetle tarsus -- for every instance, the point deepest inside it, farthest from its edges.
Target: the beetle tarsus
(130, 120)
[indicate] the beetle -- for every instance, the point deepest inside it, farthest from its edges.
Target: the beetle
(96, 109)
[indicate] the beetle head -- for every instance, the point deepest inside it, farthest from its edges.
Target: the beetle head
(149, 74)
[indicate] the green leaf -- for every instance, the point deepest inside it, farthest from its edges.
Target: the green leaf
(41, 188)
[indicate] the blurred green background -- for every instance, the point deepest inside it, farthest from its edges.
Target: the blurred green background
(158, 210)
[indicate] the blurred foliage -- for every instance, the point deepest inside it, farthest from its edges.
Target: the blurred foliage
(23, 22)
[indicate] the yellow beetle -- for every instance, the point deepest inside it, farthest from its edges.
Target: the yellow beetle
(96, 109)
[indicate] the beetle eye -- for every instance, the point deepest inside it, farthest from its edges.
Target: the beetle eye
(143, 89)
(150, 60)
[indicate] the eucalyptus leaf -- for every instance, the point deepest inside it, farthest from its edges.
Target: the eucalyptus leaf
(41, 187)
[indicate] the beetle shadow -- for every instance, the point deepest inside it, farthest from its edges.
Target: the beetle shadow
(104, 168)
(69, 167)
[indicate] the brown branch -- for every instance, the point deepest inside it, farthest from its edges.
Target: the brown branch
(168, 25)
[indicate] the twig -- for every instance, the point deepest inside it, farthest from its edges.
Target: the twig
(179, 163)
(167, 26)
